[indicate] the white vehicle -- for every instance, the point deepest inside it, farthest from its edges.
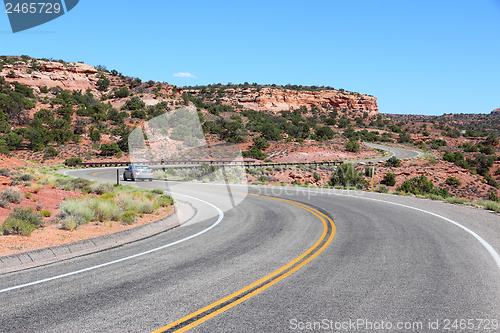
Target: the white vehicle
(139, 172)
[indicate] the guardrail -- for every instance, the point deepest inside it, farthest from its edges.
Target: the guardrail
(173, 163)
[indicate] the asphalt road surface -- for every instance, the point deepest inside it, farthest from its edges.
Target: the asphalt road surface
(400, 153)
(278, 259)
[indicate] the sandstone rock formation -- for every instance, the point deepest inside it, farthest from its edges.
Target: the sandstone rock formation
(69, 76)
(496, 111)
(277, 100)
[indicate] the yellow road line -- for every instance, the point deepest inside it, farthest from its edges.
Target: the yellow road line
(96, 173)
(273, 276)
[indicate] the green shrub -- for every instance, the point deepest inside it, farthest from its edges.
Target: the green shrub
(324, 133)
(108, 195)
(382, 189)
(165, 200)
(453, 181)
(135, 103)
(140, 114)
(494, 206)
(422, 186)
(437, 143)
(456, 200)
(145, 207)
(393, 162)
(50, 152)
(157, 191)
(389, 179)
(104, 210)
(352, 146)
(260, 143)
(129, 217)
(457, 157)
(27, 215)
(493, 197)
(491, 181)
(404, 138)
(17, 226)
(316, 176)
(469, 147)
(101, 188)
(73, 160)
(487, 150)
(103, 83)
(75, 184)
(23, 177)
(4, 172)
(122, 92)
(433, 196)
(11, 195)
(78, 210)
(4, 203)
(346, 176)
(254, 153)
(45, 213)
(95, 135)
(70, 223)
(109, 149)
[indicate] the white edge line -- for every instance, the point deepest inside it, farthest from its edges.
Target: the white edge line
(494, 254)
(481, 240)
(221, 216)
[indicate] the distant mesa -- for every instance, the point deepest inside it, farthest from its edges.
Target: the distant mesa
(496, 111)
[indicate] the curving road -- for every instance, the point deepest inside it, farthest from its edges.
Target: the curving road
(401, 153)
(290, 259)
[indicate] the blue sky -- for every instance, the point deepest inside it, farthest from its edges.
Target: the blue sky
(417, 57)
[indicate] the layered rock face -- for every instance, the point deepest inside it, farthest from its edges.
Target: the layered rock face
(69, 76)
(79, 76)
(277, 100)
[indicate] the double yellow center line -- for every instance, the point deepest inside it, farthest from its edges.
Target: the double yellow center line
(212, 310)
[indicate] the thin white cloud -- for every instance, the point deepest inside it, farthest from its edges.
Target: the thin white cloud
(182, 74)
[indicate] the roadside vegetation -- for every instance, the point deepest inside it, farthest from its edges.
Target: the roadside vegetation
(65, 118)
(122, 204)
(98, 202)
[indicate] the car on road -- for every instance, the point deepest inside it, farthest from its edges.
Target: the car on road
(138, 172)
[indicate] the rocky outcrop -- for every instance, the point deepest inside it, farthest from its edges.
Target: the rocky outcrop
(277, 100)
(79, 76)
(496, 111)
(49, 74)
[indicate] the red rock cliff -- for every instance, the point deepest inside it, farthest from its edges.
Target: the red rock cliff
(52, 74)
(277, 100)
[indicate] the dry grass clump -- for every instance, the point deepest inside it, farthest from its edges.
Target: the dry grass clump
(11, 195)
(122, 204)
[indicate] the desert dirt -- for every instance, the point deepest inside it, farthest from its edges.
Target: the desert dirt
(52, 235)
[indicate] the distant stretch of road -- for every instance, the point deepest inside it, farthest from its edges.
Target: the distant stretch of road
(401, 153)
(286, 259)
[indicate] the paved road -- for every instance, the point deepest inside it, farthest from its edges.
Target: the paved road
(400, 153)
(387, 264)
